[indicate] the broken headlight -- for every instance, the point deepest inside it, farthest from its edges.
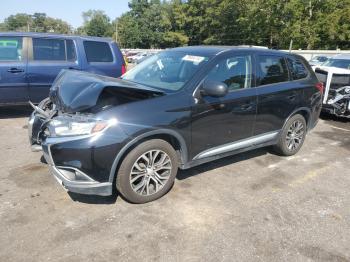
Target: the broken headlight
(67, 126)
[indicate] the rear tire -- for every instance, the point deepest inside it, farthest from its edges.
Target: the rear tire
(292, 136)
(147, 172)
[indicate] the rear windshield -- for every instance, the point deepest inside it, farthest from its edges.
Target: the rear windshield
(98, 52)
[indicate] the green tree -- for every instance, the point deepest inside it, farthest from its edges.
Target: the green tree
(18, 22)
(97, 23)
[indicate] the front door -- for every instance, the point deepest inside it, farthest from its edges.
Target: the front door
(13, 66)
(48, 57)
(217, 123)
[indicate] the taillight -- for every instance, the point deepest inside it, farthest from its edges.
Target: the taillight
(123, 69)
(320, 87)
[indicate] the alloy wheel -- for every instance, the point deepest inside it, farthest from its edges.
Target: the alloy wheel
(150, 172)
(295, 135)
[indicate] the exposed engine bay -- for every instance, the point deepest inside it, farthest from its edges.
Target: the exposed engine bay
(336, 98)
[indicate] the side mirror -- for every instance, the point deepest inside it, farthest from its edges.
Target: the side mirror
(214, 88)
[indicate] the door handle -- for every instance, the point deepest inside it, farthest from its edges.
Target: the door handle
(246, 107)
(14, 70)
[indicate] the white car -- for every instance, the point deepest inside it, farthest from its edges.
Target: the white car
(335, 75)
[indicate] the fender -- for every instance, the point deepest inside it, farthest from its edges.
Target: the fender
(296, 111)
(181, 140)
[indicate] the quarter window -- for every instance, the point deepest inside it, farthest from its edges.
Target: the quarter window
(11, 48)
(53, 50)
(98, 51)
(273, 69)
(235, 72)
(297, 68)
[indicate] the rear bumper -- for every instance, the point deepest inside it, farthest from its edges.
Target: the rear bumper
(73, 179)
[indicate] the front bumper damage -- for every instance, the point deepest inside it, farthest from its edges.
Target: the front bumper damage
(73, 179)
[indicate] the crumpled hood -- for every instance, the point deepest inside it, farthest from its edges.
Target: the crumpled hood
(75, 91)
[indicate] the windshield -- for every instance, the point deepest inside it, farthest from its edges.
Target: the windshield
(341, 63)
(168, 70)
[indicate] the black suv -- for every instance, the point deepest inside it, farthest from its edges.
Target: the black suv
(180, 108)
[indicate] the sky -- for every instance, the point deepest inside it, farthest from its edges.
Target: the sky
(67, 10)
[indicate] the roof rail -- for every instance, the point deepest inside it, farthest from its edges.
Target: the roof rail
(254, 46)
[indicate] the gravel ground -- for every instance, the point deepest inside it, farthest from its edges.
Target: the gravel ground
(252, 206)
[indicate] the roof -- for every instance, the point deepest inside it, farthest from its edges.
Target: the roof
(34, 34)
(215, 50)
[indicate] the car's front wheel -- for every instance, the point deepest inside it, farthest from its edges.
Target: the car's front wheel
(292, 136)
(147, 172)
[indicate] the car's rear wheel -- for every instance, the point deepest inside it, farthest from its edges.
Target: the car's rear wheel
(147, 172)
(292, 136)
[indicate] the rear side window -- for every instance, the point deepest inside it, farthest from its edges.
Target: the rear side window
(272, 69)
(53, 50)
(297, 68)
(11, 48)
(98, 51)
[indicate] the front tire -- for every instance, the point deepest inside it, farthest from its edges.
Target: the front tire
(292, 136)
(147, 172)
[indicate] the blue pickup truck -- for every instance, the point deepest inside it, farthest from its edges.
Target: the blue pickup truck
(29, 62)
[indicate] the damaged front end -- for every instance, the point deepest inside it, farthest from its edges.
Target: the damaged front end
(336, 98)
(78, 141)
(75, 99)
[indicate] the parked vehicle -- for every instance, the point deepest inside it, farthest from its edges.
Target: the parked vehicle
(178, 109)
(318, 60)
(143, 58)
(29, 62)
(335, 75)
(339, 61)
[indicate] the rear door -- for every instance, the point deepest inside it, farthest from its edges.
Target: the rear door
(278, 96)
(13, 65)
(47, 57)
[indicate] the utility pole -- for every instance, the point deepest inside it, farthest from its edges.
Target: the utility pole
(116, 30)
(290, 45)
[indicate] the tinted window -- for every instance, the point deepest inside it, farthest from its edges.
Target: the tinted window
(53, 50)
(71, 56)
(98, 51)
(49, 49)
(273, 69)
(11, 48)
(297, 68)
(235, 72)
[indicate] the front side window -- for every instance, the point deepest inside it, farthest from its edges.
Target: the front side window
(235, 72)
(98, 52)
(11, 48)
(297, 68)
(272, 69)
(169, 70)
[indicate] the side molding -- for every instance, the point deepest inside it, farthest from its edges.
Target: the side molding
(238, 145)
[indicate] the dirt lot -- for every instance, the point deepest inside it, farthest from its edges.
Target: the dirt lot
(253, 206)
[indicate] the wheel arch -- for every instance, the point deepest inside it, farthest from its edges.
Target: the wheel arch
(304, 111)
(170, 136)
